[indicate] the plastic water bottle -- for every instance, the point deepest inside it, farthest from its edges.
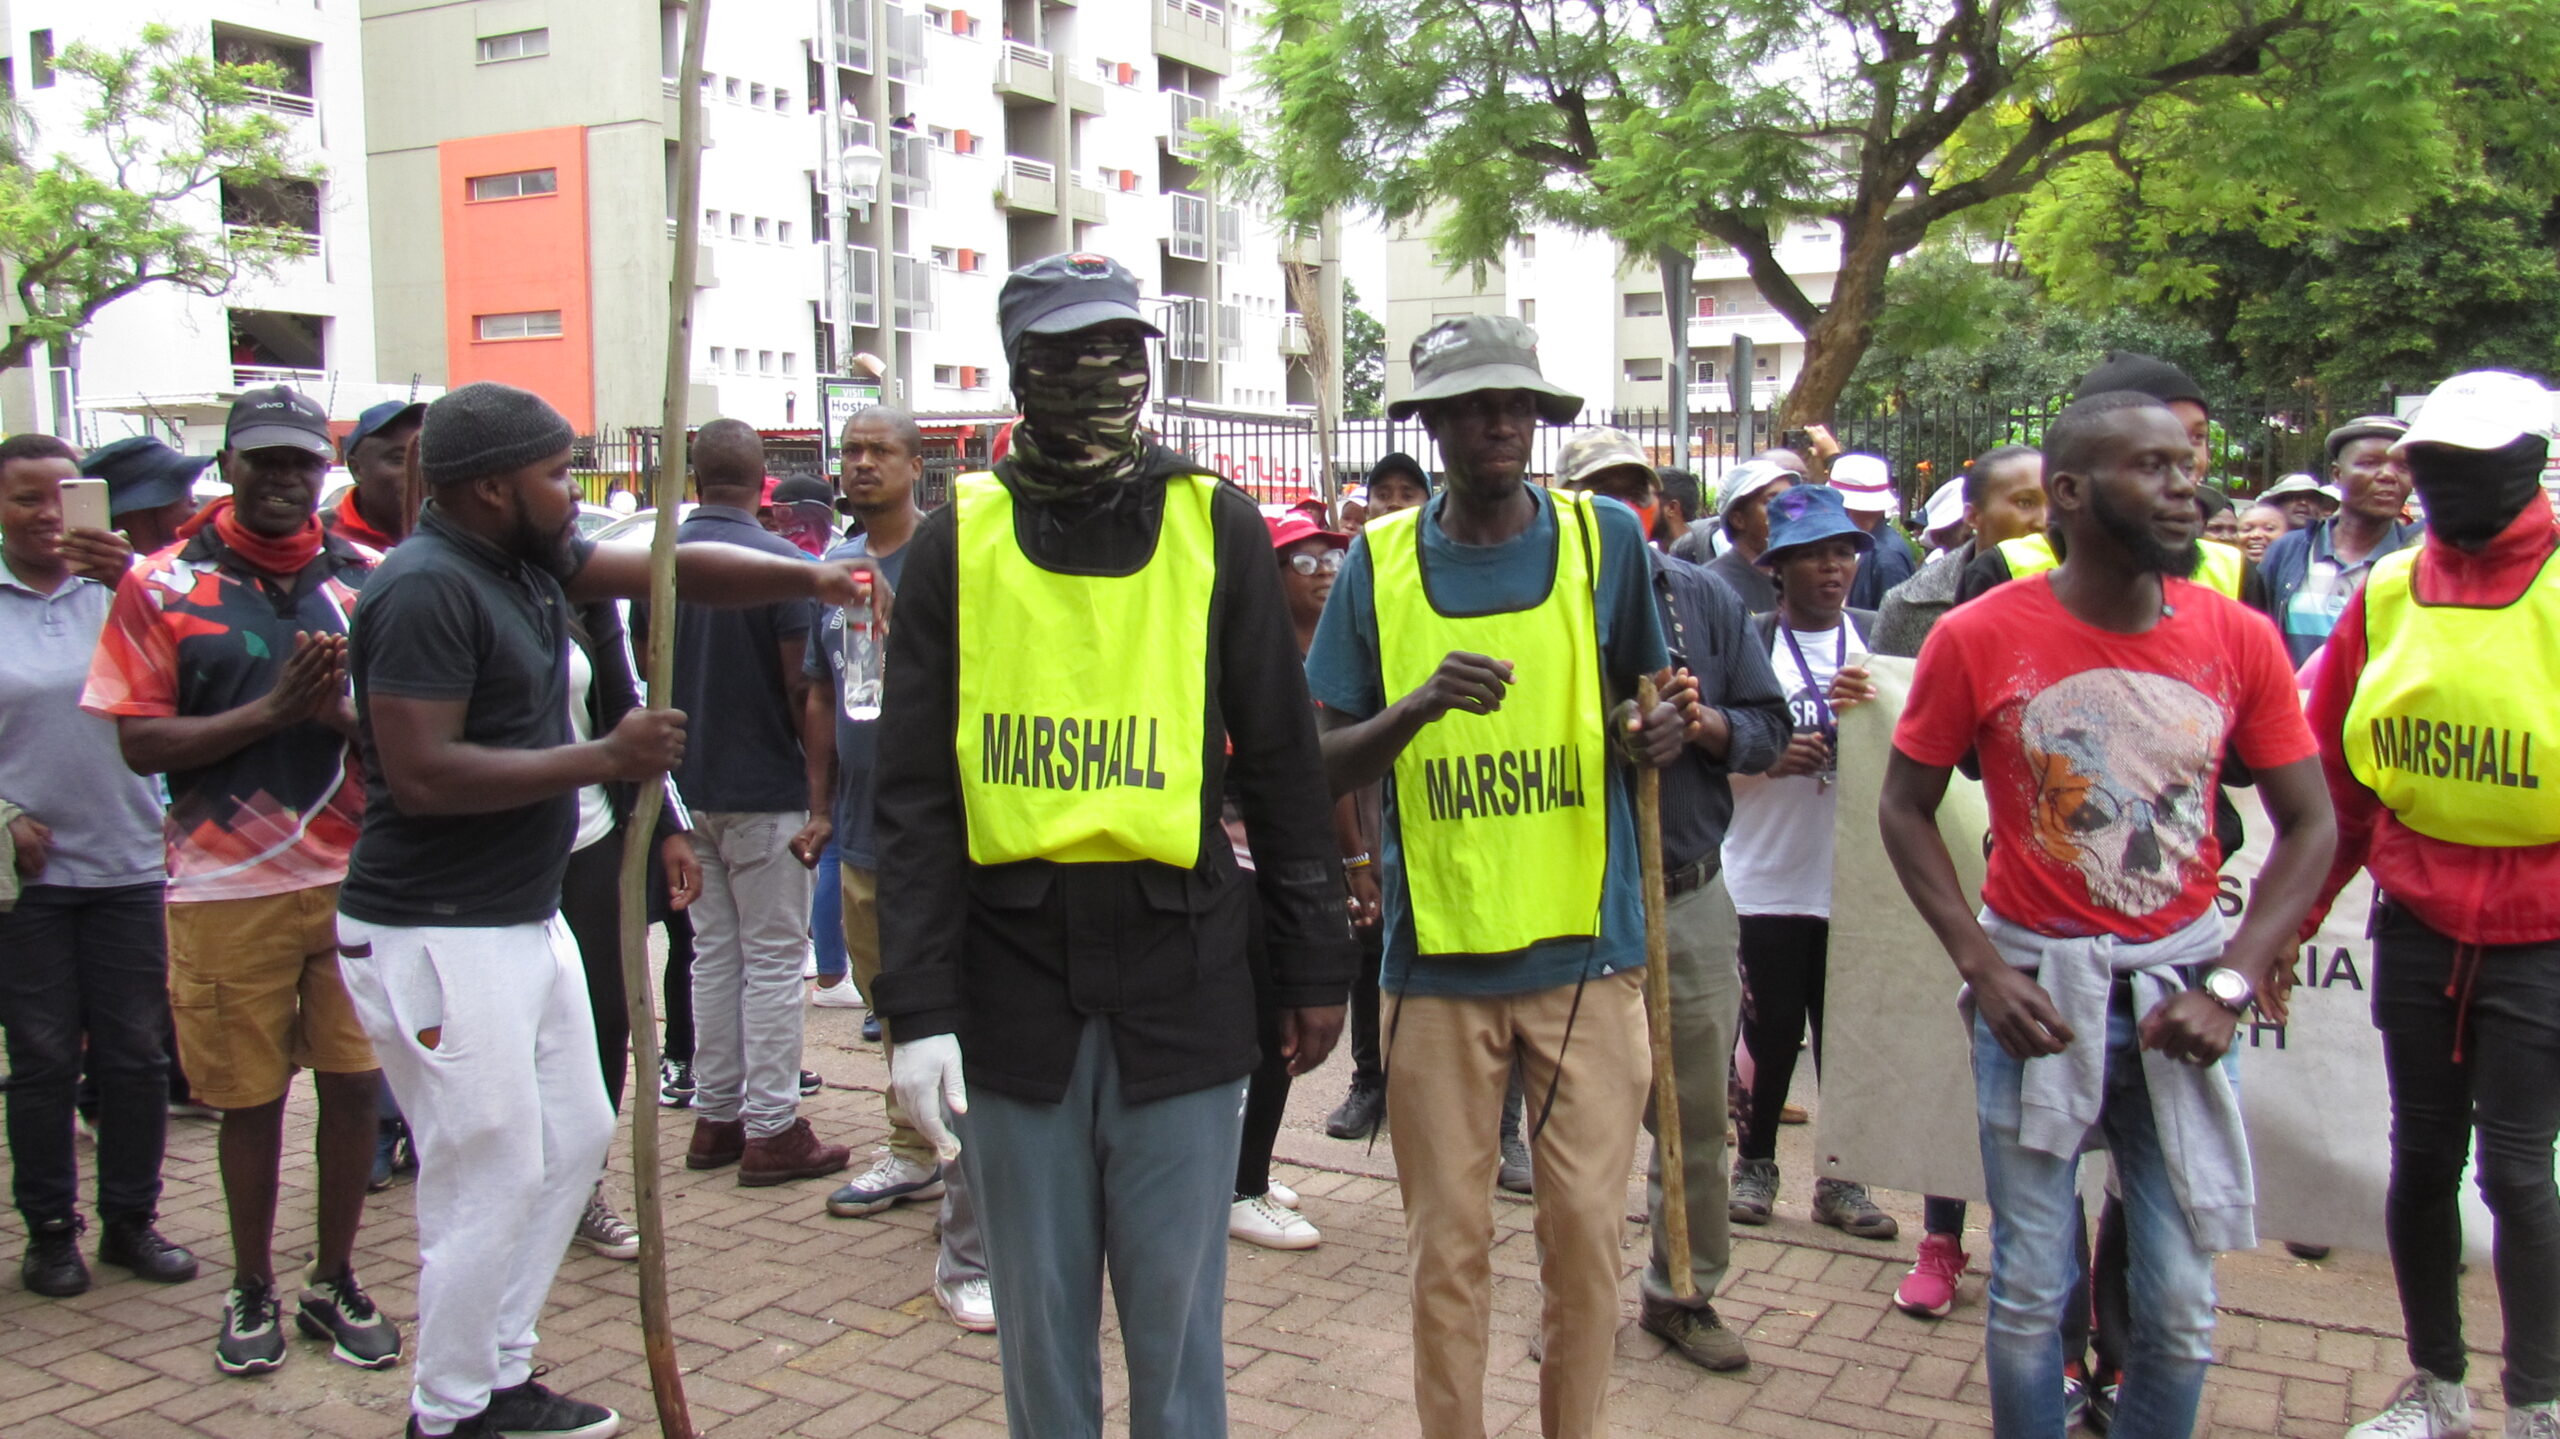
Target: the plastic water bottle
(858, 663)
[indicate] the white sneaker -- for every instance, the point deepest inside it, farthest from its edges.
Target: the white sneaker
(2534, 1421)
(971, 1303)
(809, 963)
(2424, 1407)
(1282, 1195)
(839, 995)
(1260, 1221)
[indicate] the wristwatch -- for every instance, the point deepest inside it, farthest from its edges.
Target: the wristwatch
(2230, 988)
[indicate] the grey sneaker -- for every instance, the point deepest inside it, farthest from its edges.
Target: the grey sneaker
(1515, 1177)
(604, 1232)
(252, 1341)
(339, 1314)
(2425, 1407)
(2534, 1421)
(1755, 1191)
(890, 1180)
(1698, 1335)
(1844, 1205)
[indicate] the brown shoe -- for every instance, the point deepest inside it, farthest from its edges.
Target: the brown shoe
(795, 1153)
(716, 1143)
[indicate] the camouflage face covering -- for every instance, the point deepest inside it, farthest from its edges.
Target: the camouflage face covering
(1080, 395)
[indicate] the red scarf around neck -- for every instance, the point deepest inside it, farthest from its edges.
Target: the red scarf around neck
(282, 556)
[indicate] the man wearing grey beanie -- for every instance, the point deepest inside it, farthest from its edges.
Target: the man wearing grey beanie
(449, 929)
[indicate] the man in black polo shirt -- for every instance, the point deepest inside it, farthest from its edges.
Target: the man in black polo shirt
(450, 936)
(739, 680)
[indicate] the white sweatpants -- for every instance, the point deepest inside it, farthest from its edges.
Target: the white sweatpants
(511, 1123)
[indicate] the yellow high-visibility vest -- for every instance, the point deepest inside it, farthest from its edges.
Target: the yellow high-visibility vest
(1503, 817)
(2457, 711)
(1082, 697)
(2218, 566)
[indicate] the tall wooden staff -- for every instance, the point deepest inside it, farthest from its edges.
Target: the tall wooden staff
(1657, 1012)
(657, 1332)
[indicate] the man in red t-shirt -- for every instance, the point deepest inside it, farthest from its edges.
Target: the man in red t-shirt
(2099, 700)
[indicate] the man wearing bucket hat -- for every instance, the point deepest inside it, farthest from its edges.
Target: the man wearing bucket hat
(2439, 678)
(2303, 499)
(1090, 649)
(1866, 491)
(1742, 514)
(1738, 725)
(2312, 572)
(1474, 649)
(150, 488)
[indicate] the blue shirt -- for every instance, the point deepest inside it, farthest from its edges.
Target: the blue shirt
(2308, 584)
(59, 763)
(742, 728)
(1342, 671)
(857, 741)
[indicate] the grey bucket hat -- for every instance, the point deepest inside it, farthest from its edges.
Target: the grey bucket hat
(1482, 352)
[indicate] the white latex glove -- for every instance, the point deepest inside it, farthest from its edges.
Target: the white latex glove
(925, 1075)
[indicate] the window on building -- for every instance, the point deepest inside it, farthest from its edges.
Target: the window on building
(1642, 303)
(764, 228)
(736, 88)
(718, 356)
(710, 84)
(781, 101)
(515, 45)
(790, 363)
(711, 221)
(947, 376)
(1527, 245)
(1706, 372)
(1640, 372)
(782, 232)
(755, 96)
(737, 226)
(523, 325)
(764, 361)
(40, 58)
(292, 205)
(943, 258)
(940, 135)
(1528, 312)
(515, 185)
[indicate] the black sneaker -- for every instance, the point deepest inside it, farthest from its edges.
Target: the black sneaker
(131, 1242)
(1360, 1112)
(675, 1083)
(810, 1083)
(53, 1266)
(871, 1028)
(529, 1411)
(252, 1339)
(340, 1314)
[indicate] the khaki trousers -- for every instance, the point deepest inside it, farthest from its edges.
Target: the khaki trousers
(862, 956)
(1706, 1003)
(1448, 1061)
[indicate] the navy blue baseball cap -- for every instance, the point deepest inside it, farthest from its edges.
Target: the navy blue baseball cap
(1808, 515)
(377, 418)
(143, 474)
(1065, 293)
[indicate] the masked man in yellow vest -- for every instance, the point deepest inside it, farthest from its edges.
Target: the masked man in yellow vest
(1090, 647)
(1471, 655)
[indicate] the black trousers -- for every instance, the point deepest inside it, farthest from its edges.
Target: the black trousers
(591, 903)
(1266, 1094)
(1368, 1066)
(1784, 960)
(675, 989)
(84, 974)
(2506, 1086)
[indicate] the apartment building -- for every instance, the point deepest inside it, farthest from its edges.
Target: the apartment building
(167, 361)
(1602, 323)
(871, 171)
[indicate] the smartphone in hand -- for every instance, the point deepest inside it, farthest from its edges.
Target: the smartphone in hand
(84, 505)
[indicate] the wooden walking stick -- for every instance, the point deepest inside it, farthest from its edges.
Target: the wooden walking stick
(639, 847)
(1657, 1013)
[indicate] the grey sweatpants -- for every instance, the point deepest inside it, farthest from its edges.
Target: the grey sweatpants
(1065, 1189)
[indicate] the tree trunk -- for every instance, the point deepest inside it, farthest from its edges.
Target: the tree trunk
(1846, 327)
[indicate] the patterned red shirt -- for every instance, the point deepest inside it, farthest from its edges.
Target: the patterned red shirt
(195, 632)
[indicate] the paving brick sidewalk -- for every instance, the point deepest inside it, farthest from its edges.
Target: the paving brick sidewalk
(795, 1323)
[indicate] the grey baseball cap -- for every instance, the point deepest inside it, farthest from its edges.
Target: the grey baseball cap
(1482, 352)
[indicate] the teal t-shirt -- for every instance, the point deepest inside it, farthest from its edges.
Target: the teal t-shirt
(1342, 671)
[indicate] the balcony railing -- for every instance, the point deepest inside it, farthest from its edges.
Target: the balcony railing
(910, 168)
(862, 287)
(282, 102)
(852, 33)
(1193, 33)
(1230, 233)
(1717, 395)
(1178, 136)
(1030, 186)
(1294, 339)
(911, 306)
(1026, 73)
(1187, 336)
(1087, 203)
(906, 44)
(250, 376)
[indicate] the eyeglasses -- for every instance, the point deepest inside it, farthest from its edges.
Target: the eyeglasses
(1323, 564)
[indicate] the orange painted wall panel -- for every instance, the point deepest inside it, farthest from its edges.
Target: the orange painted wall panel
(513, 256)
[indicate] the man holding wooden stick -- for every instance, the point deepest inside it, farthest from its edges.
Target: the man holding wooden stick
(1737, 722)
(1465, 651)
(451, 942)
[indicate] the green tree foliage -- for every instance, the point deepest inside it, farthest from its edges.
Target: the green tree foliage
(1364, 358)
(1668, 122)
(137, 201)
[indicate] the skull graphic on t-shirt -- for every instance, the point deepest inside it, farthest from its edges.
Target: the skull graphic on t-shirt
(2124, 764)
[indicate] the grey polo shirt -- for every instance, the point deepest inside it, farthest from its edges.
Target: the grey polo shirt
(60, 763)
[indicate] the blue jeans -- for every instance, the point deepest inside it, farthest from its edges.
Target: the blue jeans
(826, 917)
(2034, 1213)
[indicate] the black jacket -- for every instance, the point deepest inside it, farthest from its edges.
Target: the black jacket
(597, 628)
(1014, 958)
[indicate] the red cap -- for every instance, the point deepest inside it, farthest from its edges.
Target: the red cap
(1288, 529)
(765, 500)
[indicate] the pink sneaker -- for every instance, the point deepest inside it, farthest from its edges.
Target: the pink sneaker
(1929, 1290)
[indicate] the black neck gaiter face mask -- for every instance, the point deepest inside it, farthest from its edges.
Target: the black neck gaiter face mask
(1080, 396)
(2473, 495)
